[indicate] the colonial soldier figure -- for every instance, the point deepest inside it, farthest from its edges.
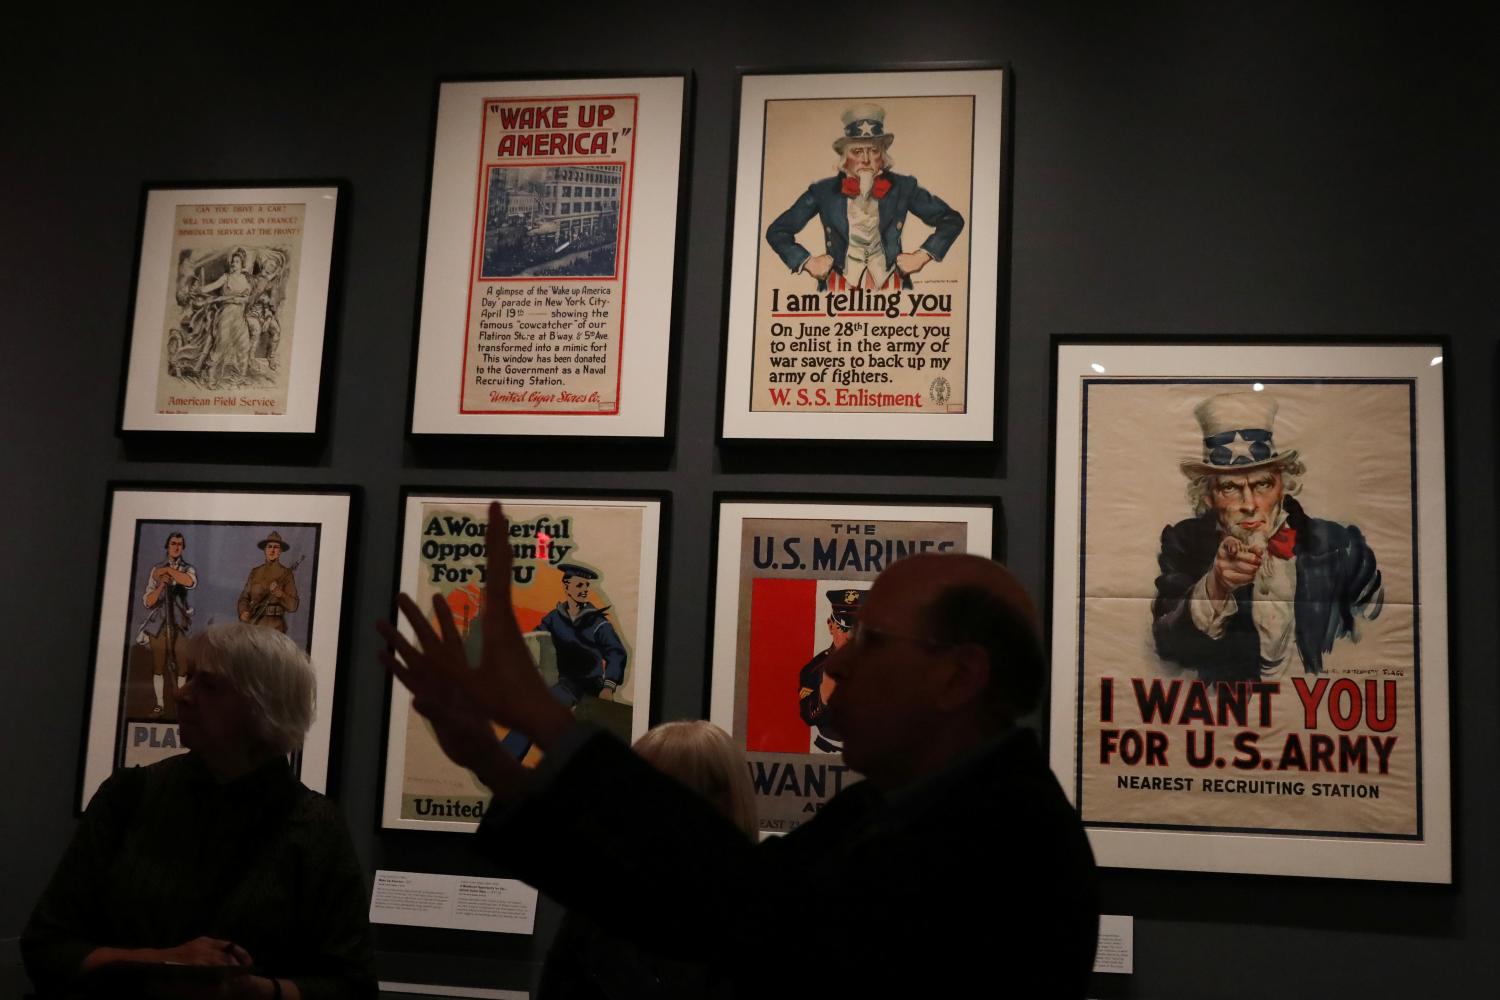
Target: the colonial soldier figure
(814, 685)
(270, 592)
(166, 626)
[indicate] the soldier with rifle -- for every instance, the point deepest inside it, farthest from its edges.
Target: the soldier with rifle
(270, 592)
(166, 626)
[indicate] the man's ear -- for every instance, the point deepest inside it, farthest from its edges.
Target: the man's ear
(965, 682)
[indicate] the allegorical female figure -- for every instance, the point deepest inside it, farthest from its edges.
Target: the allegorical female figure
(231, 337)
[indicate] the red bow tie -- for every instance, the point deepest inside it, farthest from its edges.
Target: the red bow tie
(851, 187)
(1280, 544)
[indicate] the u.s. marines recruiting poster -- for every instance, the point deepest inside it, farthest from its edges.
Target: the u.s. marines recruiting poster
(866, 226)
(179, 562)
(231, 303)
(583, 583)
(566, 209)
(1248, 616)
(791, 580)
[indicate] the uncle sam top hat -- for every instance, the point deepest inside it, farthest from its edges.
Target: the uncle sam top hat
(1237, 428)
(864, 123)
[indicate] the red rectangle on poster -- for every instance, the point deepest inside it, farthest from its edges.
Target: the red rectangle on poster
(781, 641)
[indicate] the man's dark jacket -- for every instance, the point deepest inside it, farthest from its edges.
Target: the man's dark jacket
(978, 881)
(1337, 579)
(825, 199)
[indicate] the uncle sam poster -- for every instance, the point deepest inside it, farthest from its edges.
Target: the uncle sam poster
(1249, 606)
(867, 231)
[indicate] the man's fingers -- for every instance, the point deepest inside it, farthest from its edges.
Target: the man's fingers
(448, 628)
(420, 627)
(499, 620)
(418, 682)
(409, 654)
(396, 669)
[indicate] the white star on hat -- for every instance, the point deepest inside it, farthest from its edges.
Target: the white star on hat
(866, 128)
(1239, 448)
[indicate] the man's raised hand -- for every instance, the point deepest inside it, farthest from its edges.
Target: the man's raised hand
(505, 686)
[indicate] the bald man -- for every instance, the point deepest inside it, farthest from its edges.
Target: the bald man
(958, 862)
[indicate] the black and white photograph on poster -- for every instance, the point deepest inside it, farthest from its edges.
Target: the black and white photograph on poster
(550, 257)
(518, 241)
(178, 561)
(1265, 665)
(231, 309)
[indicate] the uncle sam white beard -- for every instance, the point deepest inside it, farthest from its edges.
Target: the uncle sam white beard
(1271, 569)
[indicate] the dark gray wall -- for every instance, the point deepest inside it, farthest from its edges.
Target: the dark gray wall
(1176, 171)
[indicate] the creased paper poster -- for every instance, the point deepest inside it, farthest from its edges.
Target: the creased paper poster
(582, 583)
(801, 582)
(1249, 604)
(863, 280)
(231, 302)
(1249, 615)
(546, 297)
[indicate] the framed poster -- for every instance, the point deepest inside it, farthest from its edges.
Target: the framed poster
(229, 322)
(551, 247)
(789, 578)
(1249, 605)
(179, 559)
(584, 585)
(865, 272)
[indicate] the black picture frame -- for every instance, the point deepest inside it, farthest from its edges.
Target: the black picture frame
(738, 424)
(636, 424)
(136, 513)
(1344, 402)
(202, 415)
(654, 502)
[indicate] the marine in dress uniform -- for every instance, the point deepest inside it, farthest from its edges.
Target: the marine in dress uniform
(812, 698)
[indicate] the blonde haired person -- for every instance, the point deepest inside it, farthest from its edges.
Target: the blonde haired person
(585, 961)
(703, 757)
(218, 859)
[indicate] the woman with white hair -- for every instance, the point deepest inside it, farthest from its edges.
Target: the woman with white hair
(214, 873)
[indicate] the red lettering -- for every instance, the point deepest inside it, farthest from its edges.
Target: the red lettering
(1386, 721)
(1344, 720)
(1310, 700)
